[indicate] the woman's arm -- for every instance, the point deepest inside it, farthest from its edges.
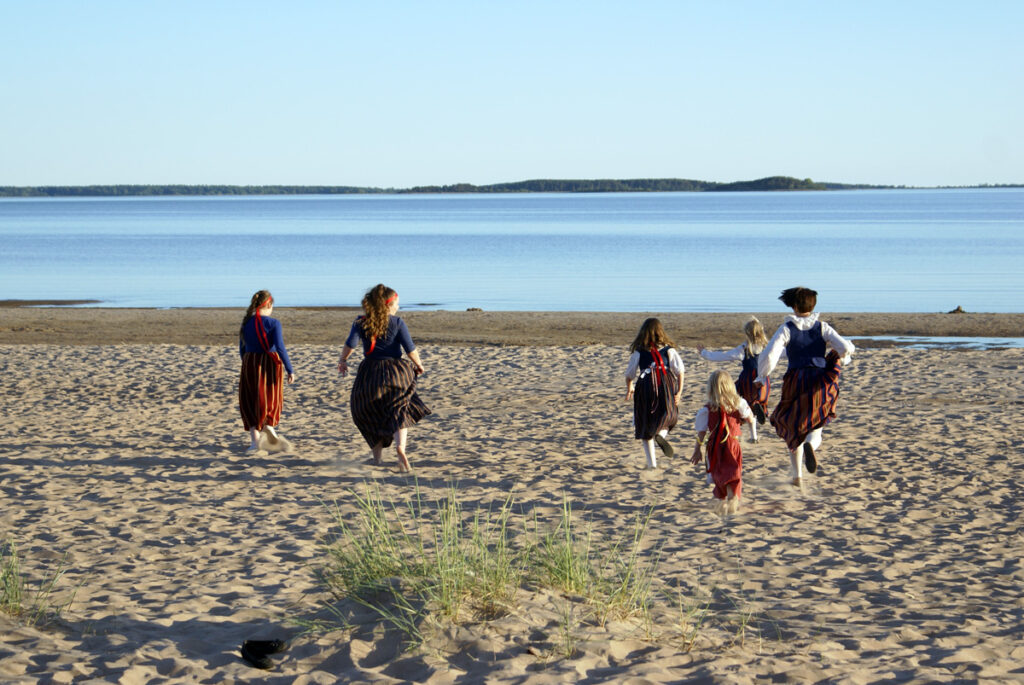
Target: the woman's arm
(414, 355)
(346, 352)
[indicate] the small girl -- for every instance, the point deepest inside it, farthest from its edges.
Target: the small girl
(747, 353)
(718, 425)
(810, 388)
(657, 370)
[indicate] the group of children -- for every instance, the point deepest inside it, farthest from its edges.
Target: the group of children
(810, 390)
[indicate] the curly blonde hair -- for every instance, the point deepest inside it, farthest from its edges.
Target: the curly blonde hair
(376, 303)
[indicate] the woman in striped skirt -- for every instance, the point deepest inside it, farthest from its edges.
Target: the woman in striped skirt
(264, 363)
(384, 402)
(810, 388)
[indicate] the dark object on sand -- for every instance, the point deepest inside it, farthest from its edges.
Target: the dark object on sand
(958, 310)
(257, 652)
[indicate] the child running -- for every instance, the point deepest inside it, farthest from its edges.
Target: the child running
(718, 426)
(746, 353)
(264, 363)
(810, 388)
(654, 381)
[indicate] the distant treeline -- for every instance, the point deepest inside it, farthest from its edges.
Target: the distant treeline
(636, 185)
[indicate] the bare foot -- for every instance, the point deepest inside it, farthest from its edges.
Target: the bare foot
(403, 463)
(372, 461)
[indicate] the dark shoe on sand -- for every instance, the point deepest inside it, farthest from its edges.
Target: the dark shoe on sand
(759, 413)
(809, 461)
(257, 652)
(666, 448)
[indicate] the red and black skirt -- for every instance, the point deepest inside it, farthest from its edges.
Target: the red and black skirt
(384, 399)
(752, 393)
(260, 390)
(809, 397)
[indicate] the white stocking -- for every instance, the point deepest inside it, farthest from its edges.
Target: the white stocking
(648, 446)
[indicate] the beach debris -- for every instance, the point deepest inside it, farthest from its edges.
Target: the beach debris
(958, 310)
(473, 309)
(257, 652)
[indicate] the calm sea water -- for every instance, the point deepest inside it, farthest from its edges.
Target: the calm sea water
(893, 250)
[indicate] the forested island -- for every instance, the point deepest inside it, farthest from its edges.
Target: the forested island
(636, 185)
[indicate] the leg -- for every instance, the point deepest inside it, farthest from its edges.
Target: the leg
(377, 451)
(814, 438)
(403, 460)
(753, 432)
(662, 439)
(652, 461)
(796, 458)
(254, 439)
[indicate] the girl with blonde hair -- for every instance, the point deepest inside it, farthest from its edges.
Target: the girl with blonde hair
(384, 402)
(718, 427)
(746, 353)
(260, 391)
(654, 381)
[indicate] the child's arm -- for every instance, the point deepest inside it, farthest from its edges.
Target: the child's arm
(697, 456)
(629, 388)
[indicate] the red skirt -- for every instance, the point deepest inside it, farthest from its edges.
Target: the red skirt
(725, 457)
(809, 398)
(748, 390)
(260, 390)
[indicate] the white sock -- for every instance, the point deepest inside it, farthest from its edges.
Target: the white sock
(814, 438)
(753, 431)
(648, 446)
(270, 429)
(663, 433)
(796, 460)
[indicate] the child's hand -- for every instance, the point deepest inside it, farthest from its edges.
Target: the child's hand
(629, 394)
(696, 458)
(700, 348)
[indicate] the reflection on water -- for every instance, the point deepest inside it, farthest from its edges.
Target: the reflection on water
(924, 342)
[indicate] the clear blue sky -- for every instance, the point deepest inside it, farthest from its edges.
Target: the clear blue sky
(396, 94)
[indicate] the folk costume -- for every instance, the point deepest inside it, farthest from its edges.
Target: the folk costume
(261, 382)
(810, 388)
(384, 398)
(724, 457)
(657, 375)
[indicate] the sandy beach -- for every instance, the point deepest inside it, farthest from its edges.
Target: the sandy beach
(123, 449)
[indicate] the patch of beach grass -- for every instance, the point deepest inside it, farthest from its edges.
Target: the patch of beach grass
(417, 563)
(30, 601)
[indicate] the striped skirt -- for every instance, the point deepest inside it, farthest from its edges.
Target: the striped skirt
(384, 399)
(260, 394)
(654, 406)
(746, 389)
(809, 398)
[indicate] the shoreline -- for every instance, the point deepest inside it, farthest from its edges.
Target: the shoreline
(31, 325)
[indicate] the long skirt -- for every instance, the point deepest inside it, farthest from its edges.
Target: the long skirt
(384, 399)
(809, 398)
(260, 390)
(746, 389)
(654, 405)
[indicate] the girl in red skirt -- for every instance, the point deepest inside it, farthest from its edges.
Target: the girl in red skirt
(654, 381)
(718, 426)
(746, 353)
(264, 362)
(810, 388)
(384, 402)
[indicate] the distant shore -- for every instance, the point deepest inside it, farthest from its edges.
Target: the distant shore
(31, 325)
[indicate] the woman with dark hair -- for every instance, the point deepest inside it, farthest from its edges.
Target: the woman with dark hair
(654, 381)
(260, 384)
(810, 388)
(384, 402)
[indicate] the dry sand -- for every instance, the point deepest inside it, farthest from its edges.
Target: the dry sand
(901, 561)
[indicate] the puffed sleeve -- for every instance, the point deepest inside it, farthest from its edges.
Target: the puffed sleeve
(633, 367)
(354, 334)
(700, 422)
(404, 339)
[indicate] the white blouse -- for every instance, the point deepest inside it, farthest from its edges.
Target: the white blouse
(675, 363)
(700, 423)
(733, 355)
(768, 359)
